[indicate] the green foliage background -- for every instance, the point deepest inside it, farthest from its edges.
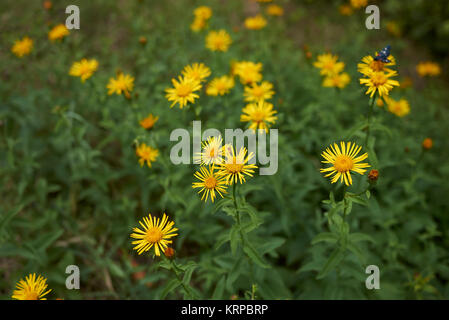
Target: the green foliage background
(71, 189)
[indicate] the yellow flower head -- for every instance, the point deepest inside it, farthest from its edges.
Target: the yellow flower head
(260, 115)
(220, 86)
(198, 24)
(156, 233)
(428, 68)
(123, 83)
(218, 40)
(275, 10)
(256, 92)
(249, 72)
(343, 162)
(345, 10)
(339, 80)
(58, 32)
(84, 69)
(203, 12)
(255, 23)
(31, 288)
(210, 183)
(357, 4)
(369, 65)
(236, 166)
(328, 64)
(213, 151)
(148, 122)
(196, 71)
(183, 91)
(22, 47)
(400, 107)
(380, 82)
(146, 154)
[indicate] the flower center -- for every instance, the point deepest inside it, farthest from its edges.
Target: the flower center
(377, 65)
(234, 167)
(153, 235)
(212, 153)
(184, 90)
(258, 92)
(379, 79)
(343, 163)
(31, 295)
(258, 116)
(210, 183)
(329, 65)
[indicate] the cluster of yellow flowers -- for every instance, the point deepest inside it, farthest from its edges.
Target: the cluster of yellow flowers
(202, 15)
(332, 70)
(428, 68)
(347, 9)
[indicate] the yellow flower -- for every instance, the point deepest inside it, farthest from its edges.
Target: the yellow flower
(255, 23)
(343, 162)
(328, 64)
(345, 10)
(22, 47)
(198, 24)
(218, 40)
(357, 4)
(196, 71)
(58, 32)
(380, 103)
(183, 91)
(264, 1)
(203, 12)
(213, 151)
(428, 68)
(156, 233)
(400, 108)
(146, 154)
(256, 92)
(220, 86)
(339, 80)
(123, 83)
(84, 69)
(261, 115)
(148, 122)
(380, 82)
(369, 65)
(236, 166)
(209, 183)
(249, 72)
(275, 10)
(31, 288)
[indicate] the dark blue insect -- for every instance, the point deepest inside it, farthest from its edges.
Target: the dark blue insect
(383, 55)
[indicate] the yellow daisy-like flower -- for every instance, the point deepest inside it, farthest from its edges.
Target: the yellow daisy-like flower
(328, 64)
(196, 71)
(156, 233)
(343, 162)
(213, 151)
(428, 68)
(261, 115)
(255, 23)
(249, 72)
(256, 92)
(148, 122)
(146, 154)
(22, 47)
(339, 80)
(399, 107)
(210, 183)
(84, 69)
(218, 40)
(220, 86)
(380, 82)
(203, 12)
(183, 91)
(345, 10)
(123, 83)
(357, 4)
(236, 166)
(369, 65)
(275, 10)
(31, 288)
(58, 32)
(198, 24)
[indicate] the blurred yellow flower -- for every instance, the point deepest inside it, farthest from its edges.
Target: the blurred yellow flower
(339, 80)
(380, 103)
(196, 71)
(399, 107)
(210, 183)
(203, 12)
(22, 47)
(357, 4)
(380, 82)
(249, 72)
(198, 24)
(369, 65)
(255, 23)
(264, 1)
(255, 92)
(428, 68)
(183, 91)
(58, 32)
(123, 83)
(218, 40)
(213, 151)
(220, 86)
(345, 10)
(84, 68)
(148, 122)
(275, 10)
(260, 115)
(236, 166)
(406, 83)
(343, 162)
(146, 154)
(156, 233)
(328, 64)
(393, 28)
(31, 288)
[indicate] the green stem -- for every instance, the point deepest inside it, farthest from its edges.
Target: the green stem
(370, 112)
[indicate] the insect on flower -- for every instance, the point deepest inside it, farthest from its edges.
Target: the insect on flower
(383, 55)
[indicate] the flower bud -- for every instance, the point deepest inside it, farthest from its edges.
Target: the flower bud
(169, 252)
(373, 175)
(427, 143)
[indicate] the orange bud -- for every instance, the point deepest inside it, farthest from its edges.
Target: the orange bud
(427, 143)
(169, 252)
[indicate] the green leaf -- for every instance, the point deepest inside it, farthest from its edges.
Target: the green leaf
(325, 237)
(219, 289)
(234, 236)
(335, 258)
(171, 285)
(357, 237)
(188, 273)
(254, 255)
(356, 250)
